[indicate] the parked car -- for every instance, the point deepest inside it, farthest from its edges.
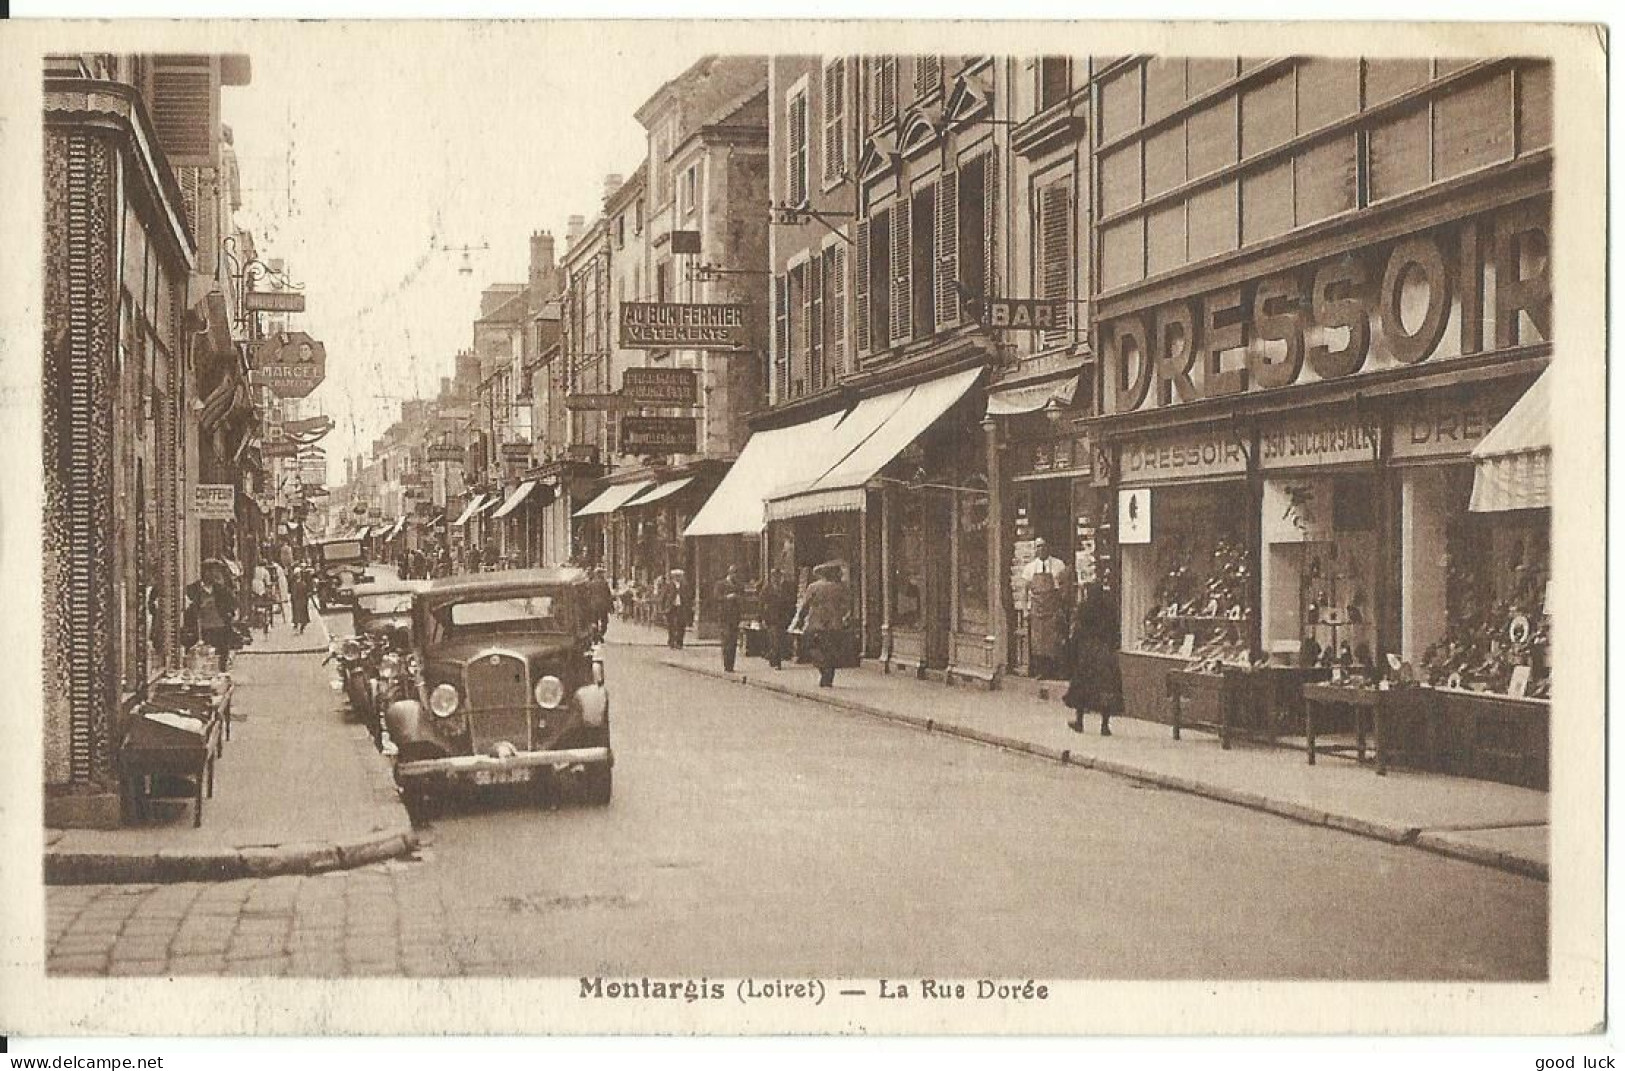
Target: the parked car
(384, 608)
(341, 565)
(375, 663)
(510, 686)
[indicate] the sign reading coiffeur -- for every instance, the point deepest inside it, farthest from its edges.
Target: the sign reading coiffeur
(663, 325)
(291, 363)
(1474, 285)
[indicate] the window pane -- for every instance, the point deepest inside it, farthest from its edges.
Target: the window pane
(1164, 87)
(1472, 127)
(1268, 115)
(1120, 178)
(1213, 223)
(1202, 74)
(1165, 239)
(1122, 253)
(1211, 137)
(1325, 180)
(1120, 103)
(1534, 107)
(1399, 154)
(1266, 203)
(1165, 160)
(1386, 79)
(1328, 90)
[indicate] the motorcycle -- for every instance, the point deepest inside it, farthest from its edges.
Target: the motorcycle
(397, 679)
(354, 656)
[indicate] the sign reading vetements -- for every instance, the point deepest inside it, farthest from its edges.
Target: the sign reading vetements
(663, 325)
(661, 386)
(659, 435)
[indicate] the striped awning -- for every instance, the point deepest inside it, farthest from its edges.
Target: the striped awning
(519, 495)
(1512, 464)
(659, 491)
(476, 504)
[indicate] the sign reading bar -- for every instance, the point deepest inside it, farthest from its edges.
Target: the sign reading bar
(446, 452)
(666, 325)
(661, 386)
(659, 435)
(214, 502)
(1027, 314)
(576, 403)
(291, 363)
(274, 301)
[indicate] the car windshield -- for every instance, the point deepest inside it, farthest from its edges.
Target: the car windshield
(339, 552)
(511, 613)
(389, 602)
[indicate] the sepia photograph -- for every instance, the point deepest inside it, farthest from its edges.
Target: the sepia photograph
(824, 527)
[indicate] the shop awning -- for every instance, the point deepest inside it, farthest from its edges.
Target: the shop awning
(474, 506)
(613, 498)
(870, 444)
(519, 495)
(400, 526)
(1512, 464)
(659, 491)
(1033, 397)
(362, 532)
(769, 458)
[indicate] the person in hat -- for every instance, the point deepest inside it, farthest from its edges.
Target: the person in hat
(1095, 684)
(677, 608)
(730, 596)
(778, 610)
(825, 612)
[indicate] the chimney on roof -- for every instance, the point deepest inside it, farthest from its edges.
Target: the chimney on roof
(612, 182)
(578, 224)
(543, 277)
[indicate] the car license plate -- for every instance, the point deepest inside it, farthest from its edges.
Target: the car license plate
(501, 777)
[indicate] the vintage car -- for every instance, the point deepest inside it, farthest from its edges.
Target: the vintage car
(510, 686)
(341, 564)
(384, 608)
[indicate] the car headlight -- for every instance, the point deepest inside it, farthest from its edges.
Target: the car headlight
(550, 692)
(444, 700)
(598, 672)
(349, 647)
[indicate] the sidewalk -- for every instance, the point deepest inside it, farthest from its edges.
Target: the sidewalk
(298, 789)
(1484, 822)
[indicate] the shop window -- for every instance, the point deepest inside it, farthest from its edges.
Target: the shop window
(1320, 569)
(1495, 571)
(908, 571)
(1186, 591)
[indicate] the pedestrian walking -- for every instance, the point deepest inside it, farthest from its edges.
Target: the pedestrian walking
(299, 599)
(260, 587)
(825, 612)
(1095, 684)
(778, 609)
(677, 608)
(1048, 589)
(602, 601)
(730, 596)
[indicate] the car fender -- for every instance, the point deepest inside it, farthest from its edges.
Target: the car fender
(405, 721)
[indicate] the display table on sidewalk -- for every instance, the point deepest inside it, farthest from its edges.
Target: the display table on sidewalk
(1405, 716)
(1255, 703)
(165, 746)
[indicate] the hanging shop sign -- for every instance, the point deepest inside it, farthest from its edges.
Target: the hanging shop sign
(576, 403)
(516, 452)
(1298, 510)
(686, 242)
(1026, 314)
(316, 425)
(445, 452)
(1051, 458)
(1448, 423)
(214, 502)
(1187, 455)
(659, 435)
(274, 301)
(663, 325)
(282, 448)
(1134, 515)
(313, 470)
(1467, 287)
(1333, 439)
(291, 363)
(661, 386)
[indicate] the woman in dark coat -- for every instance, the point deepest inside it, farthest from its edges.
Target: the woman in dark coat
(1095, 684)
(299, 596)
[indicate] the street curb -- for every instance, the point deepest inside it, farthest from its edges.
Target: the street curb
(225, 864)
(1409, 836)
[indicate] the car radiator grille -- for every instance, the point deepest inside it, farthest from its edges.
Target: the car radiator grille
(498, 695)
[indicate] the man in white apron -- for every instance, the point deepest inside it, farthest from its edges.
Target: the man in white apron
(1049, 586)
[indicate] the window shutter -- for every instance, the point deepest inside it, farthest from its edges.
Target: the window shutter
(798, 330)
(1055, 266)
(815, 322)
(183, 109)
(781, 335)
(990, 226)
(885, 90)
(947, 259)
(860, 289)
(835, 268)
(927, 74)
(902, 294)
(834, 120)
(798, 150)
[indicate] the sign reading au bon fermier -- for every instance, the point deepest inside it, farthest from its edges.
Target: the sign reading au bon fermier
(674, 325)
(291, 363)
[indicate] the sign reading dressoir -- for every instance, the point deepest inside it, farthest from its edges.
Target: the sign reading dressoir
(659, 435)
(675, 325)
(1477, 285)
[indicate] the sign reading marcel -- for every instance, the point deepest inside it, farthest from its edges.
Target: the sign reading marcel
(291, 363)
(673, 325)
(1472, 286)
